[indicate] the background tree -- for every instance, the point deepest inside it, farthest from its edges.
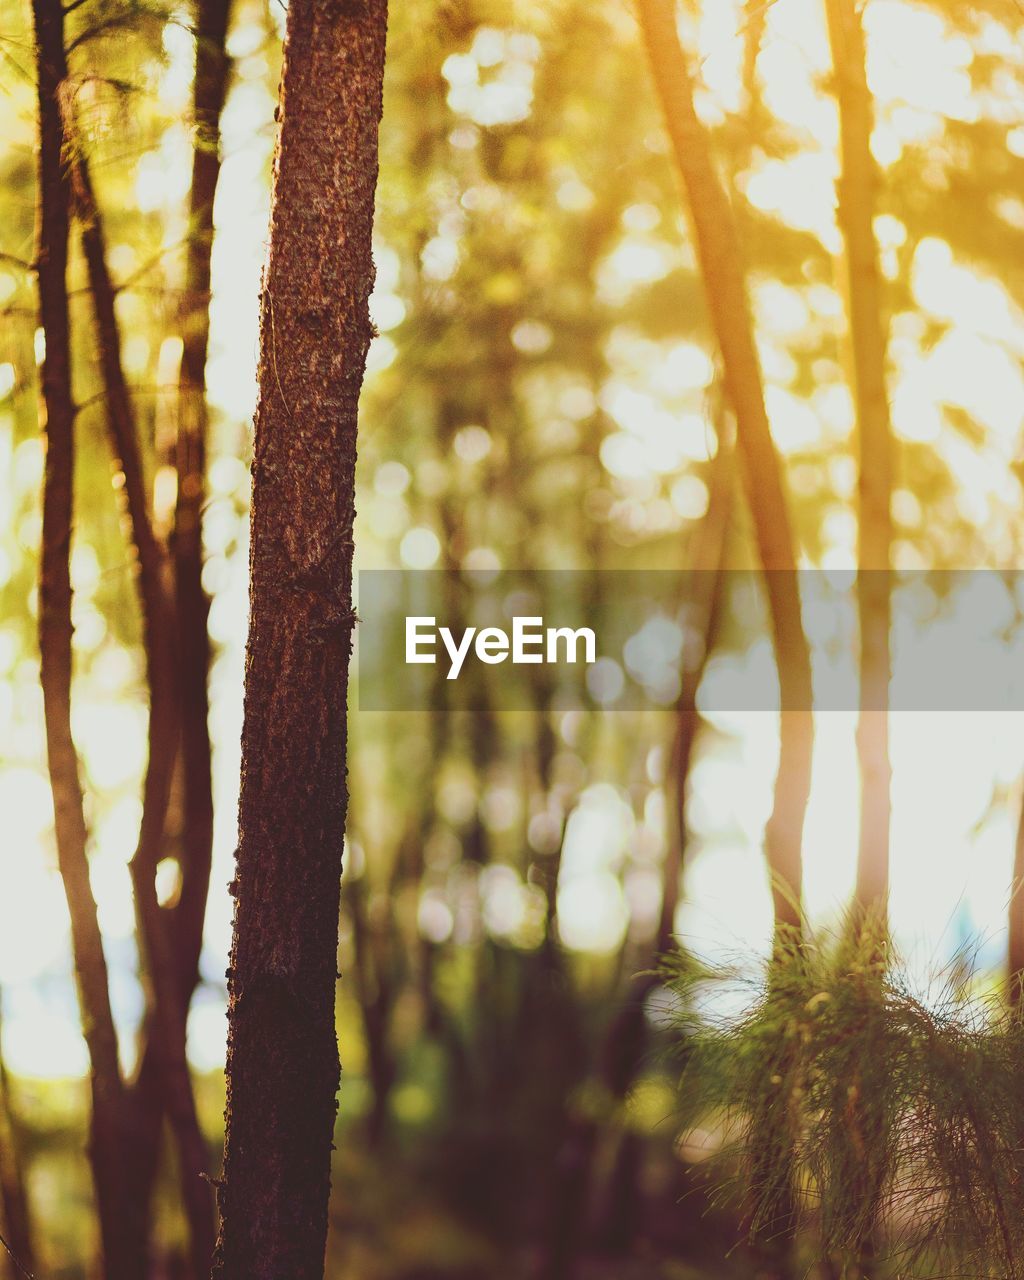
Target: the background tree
(721, 260)
(857, 208)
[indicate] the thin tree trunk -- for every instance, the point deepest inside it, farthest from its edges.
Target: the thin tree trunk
(621, 1052)
(14, 1202)
(168, 1005)
(282, 1068)
(187, 918)
(719, 252)
(374, 988)
(755, 20)
(211, 77)
(857, 188)
(108, 1096)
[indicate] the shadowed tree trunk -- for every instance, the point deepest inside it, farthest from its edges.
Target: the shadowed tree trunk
(14, 1205)
(857, 187)
(108, 1096)
(282, 1067)
(211, 77)
(187, 917)
(167, 1021)
(718, 249)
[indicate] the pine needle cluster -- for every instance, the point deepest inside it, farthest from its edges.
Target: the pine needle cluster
(865, 1119)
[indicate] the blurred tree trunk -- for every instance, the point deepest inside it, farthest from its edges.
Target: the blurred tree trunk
(167, 1006)
(720, 255)
(282, 1067)
(16, 1215)
(857, 187)
(187, 917)
(210, 86)
(621, 1052)
(108, 1115)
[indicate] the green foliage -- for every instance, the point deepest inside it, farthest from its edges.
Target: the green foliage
(853, 1111)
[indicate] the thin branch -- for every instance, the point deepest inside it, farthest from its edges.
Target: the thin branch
(12, 260)
(19, 1266)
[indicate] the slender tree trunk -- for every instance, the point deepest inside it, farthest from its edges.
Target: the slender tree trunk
(152, 578)
(212, 68)
(621, 1052)
(857, 187)
(315, 331)
(187, 917)
(755, 20)
(14, 1202)
(108, 1096)
(720, 255)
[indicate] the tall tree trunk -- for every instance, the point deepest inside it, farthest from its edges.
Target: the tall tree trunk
(108, 1096)
(211, 77)
(857, 188)
(282, 1068)
(152, 579)
(188, 916)
(720, 255)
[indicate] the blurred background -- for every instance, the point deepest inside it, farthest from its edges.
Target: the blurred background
(544, 393)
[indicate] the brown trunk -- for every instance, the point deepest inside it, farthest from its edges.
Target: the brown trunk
(282, 1068)
(857, 188)
(17, 1224)
(755, 20)
(719, 252)
(168, 1005)
(108, 1097)
(212, 67)
(187, 918)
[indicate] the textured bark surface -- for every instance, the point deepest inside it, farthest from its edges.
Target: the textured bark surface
(315, 331)
(857, 189)
(720, 256)
(107, 1118)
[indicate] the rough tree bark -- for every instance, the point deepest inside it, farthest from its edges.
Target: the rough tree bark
(282, 1067)
(857, 188)
(108, 1097)
(719, 252)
